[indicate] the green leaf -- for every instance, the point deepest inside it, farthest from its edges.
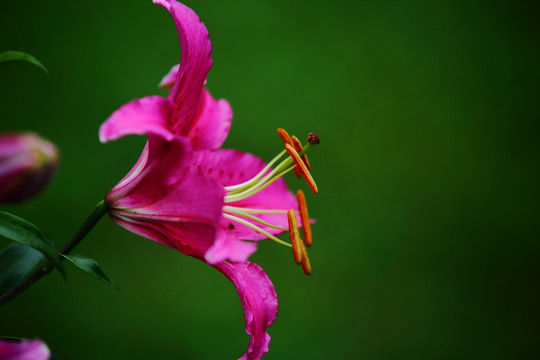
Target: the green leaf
(19, 230)
(91, 267)
(16, 263)
(7, 56)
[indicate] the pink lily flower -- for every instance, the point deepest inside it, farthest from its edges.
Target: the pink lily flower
(24, 350)
(187, 193)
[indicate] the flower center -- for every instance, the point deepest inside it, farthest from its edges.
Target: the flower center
(295, 161)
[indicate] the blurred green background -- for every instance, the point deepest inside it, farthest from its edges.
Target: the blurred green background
(427, 242)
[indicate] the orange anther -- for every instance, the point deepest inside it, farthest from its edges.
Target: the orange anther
(296, 241)
(296, 143)
(302, 206)
(284, 136)
(303, 169)
(298, 147)
(306, 264)
(287, 140)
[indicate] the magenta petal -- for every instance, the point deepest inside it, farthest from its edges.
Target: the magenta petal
(191, 238)
(192, 198)
(195, 63)
(168, 200)
(143, 228)
(230, 167)
(164, 184)
(24, 350)
(259, 301)
(227, 247)
(168, 80)
(161, 164)
(212, 123)
(212, 120)
(149, 115)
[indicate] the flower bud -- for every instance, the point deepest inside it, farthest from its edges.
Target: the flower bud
(25, 349)
(27, 163)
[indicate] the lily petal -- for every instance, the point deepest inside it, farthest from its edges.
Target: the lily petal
(161, 164)
(165, 184)
(212, 120)
(217, 164)
(190, 238)
(227, 247)
(212, 123)
(193, 198)
(149, 115)
(195, 63)
(168, 80)
(259, 301)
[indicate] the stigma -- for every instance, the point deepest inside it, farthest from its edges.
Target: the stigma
(292, 158)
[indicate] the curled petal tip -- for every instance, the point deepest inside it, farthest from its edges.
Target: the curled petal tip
(259, 301)
(102, 138)
(148, 115)
(168, 80)
(195, 64)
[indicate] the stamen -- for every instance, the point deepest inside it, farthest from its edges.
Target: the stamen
(256, 228)
(228, 208)
(297, 161)
(298, 147)
(295, 236)
(284, 136)
(237, 211)
(261, 185)
(300, 164)
(306, 227)
(306, 264)
(287, 140)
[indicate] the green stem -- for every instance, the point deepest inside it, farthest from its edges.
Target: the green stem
(96, 214)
